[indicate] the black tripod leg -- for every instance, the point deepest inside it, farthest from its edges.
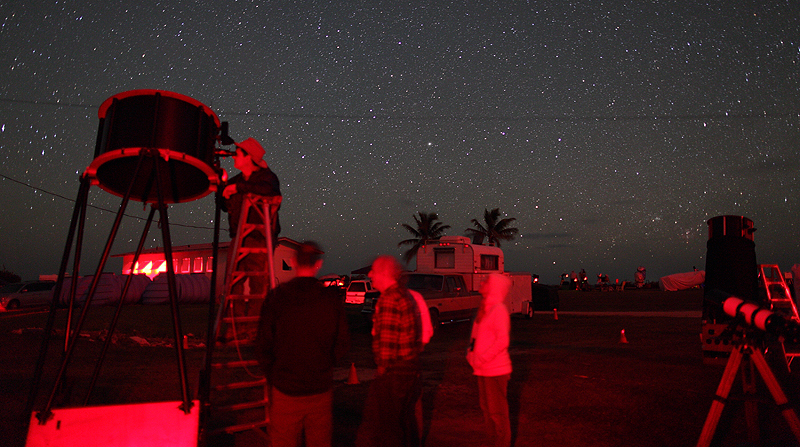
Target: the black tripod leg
(79, 210)
(211, 336)
(161, 181)
(777, 393)
(112, 327)
(718, 405)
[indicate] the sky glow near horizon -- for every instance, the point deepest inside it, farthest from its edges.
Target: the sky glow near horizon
(611, 131)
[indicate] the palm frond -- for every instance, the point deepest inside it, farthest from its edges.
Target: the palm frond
(427, 229)
(495, 229)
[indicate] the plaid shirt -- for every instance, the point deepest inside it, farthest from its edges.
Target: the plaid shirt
(397, 329)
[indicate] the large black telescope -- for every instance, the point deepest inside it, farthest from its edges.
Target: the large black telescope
(731, 265)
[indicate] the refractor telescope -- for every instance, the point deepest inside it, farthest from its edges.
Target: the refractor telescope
(766, 320)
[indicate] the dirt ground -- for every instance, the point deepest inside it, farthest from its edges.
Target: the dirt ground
(575, 383)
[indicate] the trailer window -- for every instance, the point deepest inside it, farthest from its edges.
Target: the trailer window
(489, 262)
(444, 258)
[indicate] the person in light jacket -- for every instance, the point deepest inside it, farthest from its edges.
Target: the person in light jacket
(488, 356)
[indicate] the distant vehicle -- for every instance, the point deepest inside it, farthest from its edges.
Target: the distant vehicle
(447, 296)
(332, 281)
(360, 290)
(26, 294)
(455, 255)
(449, 275)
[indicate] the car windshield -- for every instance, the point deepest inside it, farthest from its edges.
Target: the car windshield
(11, 288)
(425, 282)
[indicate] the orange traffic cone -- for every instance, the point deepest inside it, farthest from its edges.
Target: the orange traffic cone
(555, 313)
(622, 338)
(352, 379)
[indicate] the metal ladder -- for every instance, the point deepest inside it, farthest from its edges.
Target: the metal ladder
(780, 300)
(778, 294)
(238, 398)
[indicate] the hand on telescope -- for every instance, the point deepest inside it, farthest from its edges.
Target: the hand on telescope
(229, 191)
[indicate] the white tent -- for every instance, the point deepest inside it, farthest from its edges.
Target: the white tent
(109, 289)
(682, 281)
(191, 289)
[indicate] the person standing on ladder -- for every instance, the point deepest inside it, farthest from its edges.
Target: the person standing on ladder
(255, 178)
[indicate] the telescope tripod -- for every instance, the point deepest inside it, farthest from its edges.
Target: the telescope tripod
(159, 181)
(747, 358)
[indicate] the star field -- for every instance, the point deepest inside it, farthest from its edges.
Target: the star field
(612, 131)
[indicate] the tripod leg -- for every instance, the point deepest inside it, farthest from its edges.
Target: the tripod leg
(777, 393)
(161, 179)
(718, 405)
(78, 211)
(115, 319)
(750, 389)
(270, 249)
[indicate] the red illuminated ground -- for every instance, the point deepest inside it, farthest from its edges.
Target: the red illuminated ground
(574, 383)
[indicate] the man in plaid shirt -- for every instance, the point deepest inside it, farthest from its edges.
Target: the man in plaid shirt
(389, 418)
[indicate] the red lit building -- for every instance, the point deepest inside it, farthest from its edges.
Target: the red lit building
(198, 258)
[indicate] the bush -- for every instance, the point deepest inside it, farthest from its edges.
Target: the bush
(7, 277)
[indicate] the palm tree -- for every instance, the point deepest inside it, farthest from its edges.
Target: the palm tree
(494, 231)
(428, 229)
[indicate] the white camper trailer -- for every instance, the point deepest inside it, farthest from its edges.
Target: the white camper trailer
(456, 255)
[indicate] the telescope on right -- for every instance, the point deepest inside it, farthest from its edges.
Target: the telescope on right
(734, 276)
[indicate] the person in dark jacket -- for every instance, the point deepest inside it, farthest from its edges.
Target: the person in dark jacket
(255, 178)
(302, 335)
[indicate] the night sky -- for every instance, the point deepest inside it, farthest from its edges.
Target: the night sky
(612, 131)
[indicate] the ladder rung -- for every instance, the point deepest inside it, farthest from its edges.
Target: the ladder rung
(258, 225)
(241, 427)
(235, 364)
(242, 319)
(251, 249)
(234, 297)
(241, 385)
(236, 342)
(250, 273)
(243, 406)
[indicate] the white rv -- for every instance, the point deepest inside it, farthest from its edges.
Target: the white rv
(455, 255)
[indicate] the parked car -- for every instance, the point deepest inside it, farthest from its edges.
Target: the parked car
(359, 290)
(26, 294)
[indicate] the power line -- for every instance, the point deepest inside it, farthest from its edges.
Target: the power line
(463, 118)
(94, 206)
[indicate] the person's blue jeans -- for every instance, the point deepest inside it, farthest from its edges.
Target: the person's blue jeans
(389, 413)
(292, 416)
(493, 394)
